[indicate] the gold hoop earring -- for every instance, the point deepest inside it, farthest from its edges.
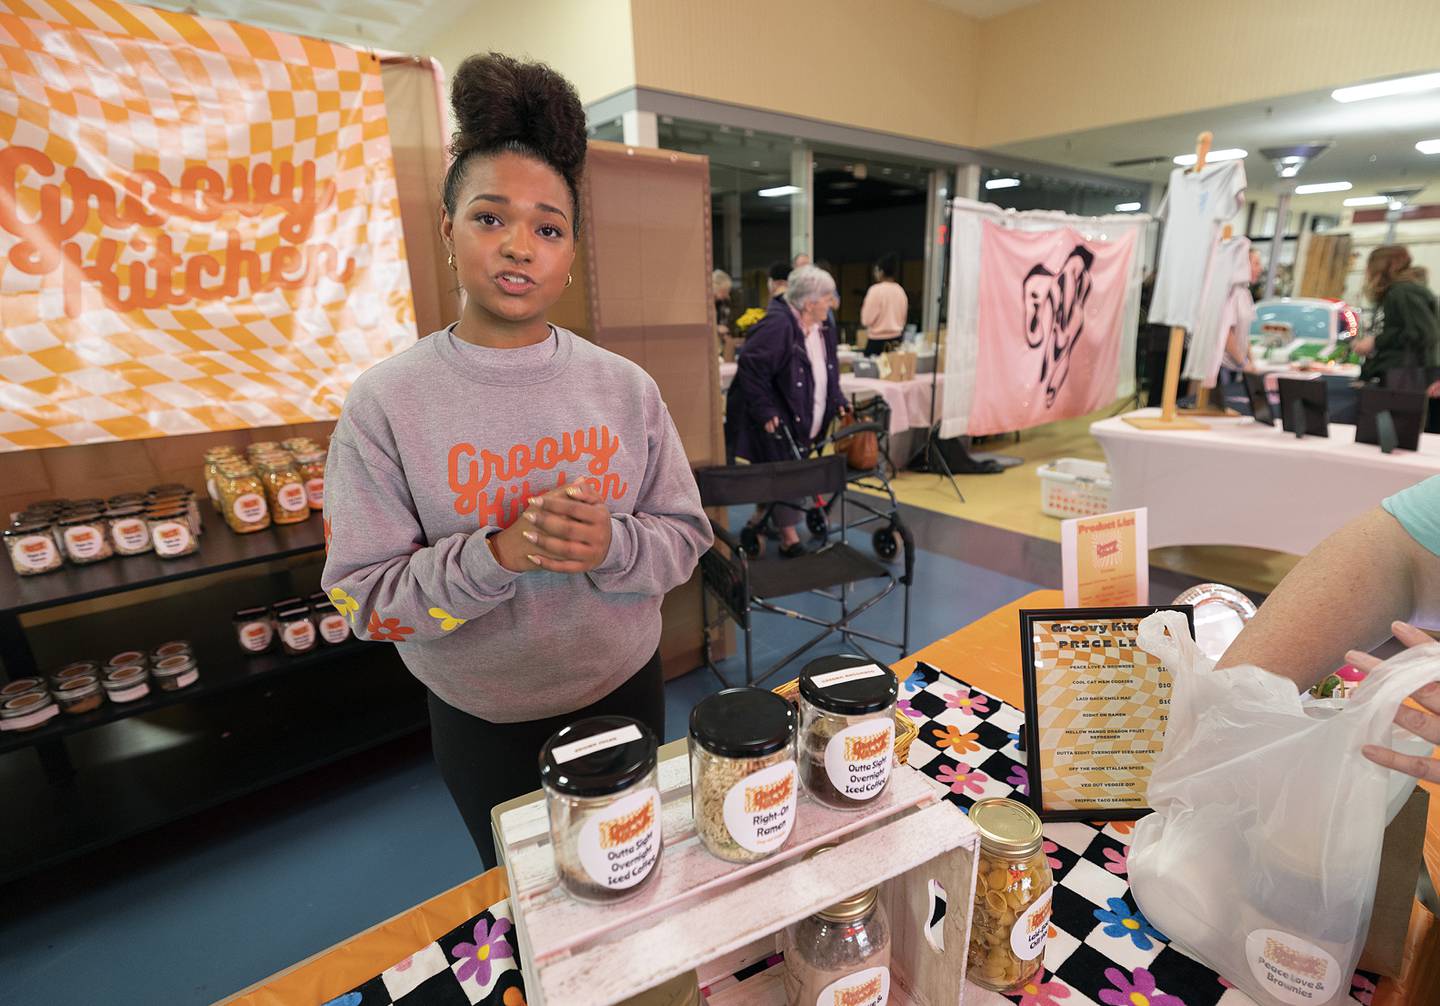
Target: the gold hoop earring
(570, 278)
(452, 261)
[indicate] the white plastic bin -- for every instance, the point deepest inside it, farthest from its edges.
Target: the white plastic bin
(1073, 487)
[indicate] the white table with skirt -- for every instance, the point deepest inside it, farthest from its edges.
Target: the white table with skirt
(1241, 483)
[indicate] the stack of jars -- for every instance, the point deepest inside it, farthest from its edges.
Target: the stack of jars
(45, 536)
(298, 624)
(272, 483)
(85, 685)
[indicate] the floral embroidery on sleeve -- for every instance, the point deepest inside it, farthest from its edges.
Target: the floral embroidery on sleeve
(448, 622)
(387, 629)
(344, 603)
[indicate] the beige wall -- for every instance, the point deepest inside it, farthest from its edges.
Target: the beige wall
(1063, 65)
(902, 66)
(589, 41)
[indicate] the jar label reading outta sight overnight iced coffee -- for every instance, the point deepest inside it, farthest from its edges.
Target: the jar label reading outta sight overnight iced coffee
(1291, 969)
(256, 636)
(870, 987)
(250, 508)
(334, 628)
(299, 635)
(1027, 937)
(760, 809)
(620, 845)
(857, 759)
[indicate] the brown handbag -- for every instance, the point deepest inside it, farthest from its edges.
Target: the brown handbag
(861, 450)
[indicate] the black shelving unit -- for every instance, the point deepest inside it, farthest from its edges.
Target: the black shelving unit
(248, 722)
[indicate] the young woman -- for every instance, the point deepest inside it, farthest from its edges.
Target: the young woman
(1405, 334)
(884, 309)
(505, 501)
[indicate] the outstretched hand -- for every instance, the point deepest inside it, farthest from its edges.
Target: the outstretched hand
(1423, 722)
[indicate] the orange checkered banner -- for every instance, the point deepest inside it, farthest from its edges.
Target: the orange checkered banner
(199, 227)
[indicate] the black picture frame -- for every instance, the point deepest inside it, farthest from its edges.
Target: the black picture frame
(1305, 406)
(1407, 414)
(1259, 399)
(1028, 618)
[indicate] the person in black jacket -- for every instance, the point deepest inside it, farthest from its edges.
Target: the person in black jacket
(1405, 333)
(788, 374)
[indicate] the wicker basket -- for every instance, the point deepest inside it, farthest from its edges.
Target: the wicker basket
(906, 730)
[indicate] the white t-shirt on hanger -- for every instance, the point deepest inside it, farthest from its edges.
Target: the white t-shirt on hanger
(1194, 207)
(1216, 315)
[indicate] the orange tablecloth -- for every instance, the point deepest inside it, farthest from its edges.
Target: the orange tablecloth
(985, 654)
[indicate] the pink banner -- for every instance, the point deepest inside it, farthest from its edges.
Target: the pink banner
(1049, 324)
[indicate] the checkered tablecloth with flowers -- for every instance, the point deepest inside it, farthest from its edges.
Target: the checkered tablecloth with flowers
(1101, 949)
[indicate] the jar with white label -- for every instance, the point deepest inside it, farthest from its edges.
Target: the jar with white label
(297, 630)
(129, 533)
(171, 674)
(840, 954)
(126, 684)
(334, 628)
(1012, 896)
(170, 533)
(254, 630)
(79, 695)
(214, 458)
(30, 711)
(32, 547)
(603, 796)
(86, 538)
(744, 784)
(129, 658)
(847, 730)
(311, 466)
(242, 498)
(285, 491)
(21, 686)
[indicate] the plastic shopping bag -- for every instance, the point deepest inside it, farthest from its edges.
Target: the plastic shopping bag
(1261, 856)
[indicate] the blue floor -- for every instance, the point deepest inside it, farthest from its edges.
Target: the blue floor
(226, 907)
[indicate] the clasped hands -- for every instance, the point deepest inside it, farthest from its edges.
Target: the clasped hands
(566, 530)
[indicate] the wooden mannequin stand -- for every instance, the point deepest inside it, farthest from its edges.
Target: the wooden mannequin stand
(1168, 419)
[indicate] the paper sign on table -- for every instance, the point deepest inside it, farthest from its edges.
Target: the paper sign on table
(1104, 560)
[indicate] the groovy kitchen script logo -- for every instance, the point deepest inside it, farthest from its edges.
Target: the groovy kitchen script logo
(762, 798)
(1055, 315)
(859, 995)
(867, 747)
(143, 270)
(494, 486)
(623, 830)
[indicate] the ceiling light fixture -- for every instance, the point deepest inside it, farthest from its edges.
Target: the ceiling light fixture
(1428, 146)
(1317, 187)
(1368, 201)
(1214, 157)
(1127, 207)
(1003, 183)
(1387, 88)
(779, 190)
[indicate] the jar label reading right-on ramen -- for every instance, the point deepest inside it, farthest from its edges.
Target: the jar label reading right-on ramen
(760, 809)
(249, 508)
(292, 497)
(870, 987)
(833, 678)
(171, 538)
(334, 628)
(299, 635)
(1291, 969)
(600, 742)
(1027, 938)
(130, 534)
(620, 845)
(256, 636)
(857, 759)
(36, 551)
(83, 542)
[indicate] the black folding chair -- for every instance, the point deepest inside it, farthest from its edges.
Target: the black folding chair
(743, 586)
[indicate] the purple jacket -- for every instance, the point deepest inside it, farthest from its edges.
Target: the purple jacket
(774, 379)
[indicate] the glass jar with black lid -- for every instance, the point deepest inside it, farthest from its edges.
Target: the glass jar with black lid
(601, 790)
(847, 729)
(743, 781)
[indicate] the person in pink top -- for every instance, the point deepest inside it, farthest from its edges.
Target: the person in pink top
(885, 308)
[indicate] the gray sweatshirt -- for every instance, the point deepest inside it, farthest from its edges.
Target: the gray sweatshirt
(435, 450)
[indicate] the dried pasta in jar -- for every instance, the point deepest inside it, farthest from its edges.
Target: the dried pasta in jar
(1012, 896)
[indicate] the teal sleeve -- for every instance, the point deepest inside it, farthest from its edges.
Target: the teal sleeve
(1418, 511)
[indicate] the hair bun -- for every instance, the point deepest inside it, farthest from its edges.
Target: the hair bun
(500, 101)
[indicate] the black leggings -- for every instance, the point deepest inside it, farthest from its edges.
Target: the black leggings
(485, 764)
